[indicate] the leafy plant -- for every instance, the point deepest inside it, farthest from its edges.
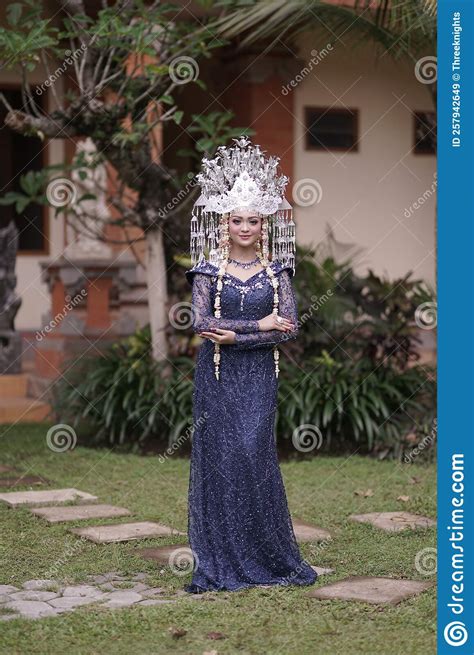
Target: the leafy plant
(357, 317)
(125, 396)
(342, 405)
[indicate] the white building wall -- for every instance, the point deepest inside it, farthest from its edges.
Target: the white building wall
(366, 194)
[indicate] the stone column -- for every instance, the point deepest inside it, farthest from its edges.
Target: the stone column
(89, 309)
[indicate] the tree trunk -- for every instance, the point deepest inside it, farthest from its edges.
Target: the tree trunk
(157, 293)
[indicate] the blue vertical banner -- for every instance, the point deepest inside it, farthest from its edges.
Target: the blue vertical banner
(455, 109)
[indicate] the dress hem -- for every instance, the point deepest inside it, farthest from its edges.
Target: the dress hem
(198, 589)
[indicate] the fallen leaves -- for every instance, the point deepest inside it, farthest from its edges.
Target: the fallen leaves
(365, 494)
(176, 633)
(215, 635)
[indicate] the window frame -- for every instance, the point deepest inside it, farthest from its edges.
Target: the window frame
(352, 112)
(415, 114)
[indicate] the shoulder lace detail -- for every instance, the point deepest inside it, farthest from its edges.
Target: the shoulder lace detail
(204, 267)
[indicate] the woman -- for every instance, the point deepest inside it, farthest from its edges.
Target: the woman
(239, 525)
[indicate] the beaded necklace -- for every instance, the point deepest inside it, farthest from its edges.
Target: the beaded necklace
(244, 265)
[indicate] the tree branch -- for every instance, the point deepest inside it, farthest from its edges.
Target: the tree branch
(26, 124)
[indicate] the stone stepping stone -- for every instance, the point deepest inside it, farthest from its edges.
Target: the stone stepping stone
(394, 521)
(305, 532)
(126, 585)
(77, 595)
(39, 585)
(25, 480)
(322, 571)
(31, 609)
(49, 497)
(79, 512)
(71, 602)
(104, 534)
(162, 554)
(155, 602)
(122, 598)
(370, 589)
(34, 595)
(34, 601)
(82, 591)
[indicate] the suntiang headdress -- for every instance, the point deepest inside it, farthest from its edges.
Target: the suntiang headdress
(240, 178)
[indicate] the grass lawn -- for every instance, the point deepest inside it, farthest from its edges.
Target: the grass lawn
(279, 620)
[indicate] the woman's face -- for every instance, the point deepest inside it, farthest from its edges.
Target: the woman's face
(245, 227)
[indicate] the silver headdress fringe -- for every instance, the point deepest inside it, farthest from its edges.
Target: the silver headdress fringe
(240, 178)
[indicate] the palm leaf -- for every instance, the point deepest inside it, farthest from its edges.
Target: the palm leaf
(403, 28)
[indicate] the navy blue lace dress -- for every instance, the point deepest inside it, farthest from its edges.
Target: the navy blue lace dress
(239, 526)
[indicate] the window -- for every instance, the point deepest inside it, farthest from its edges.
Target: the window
(21, 154)
(424, 133)
(331, 129)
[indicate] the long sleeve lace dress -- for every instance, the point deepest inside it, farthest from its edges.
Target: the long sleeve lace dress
(239, 526)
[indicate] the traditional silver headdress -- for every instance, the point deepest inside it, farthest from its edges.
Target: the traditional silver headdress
(239, 178)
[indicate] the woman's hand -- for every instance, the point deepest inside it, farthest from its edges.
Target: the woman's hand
(271, 322)
(222, 336)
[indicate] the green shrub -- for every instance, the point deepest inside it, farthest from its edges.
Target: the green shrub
(125, 396)
(357, 317)
(350, 405)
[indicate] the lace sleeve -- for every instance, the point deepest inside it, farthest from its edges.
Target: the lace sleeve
(203, 319)
(287, 308)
